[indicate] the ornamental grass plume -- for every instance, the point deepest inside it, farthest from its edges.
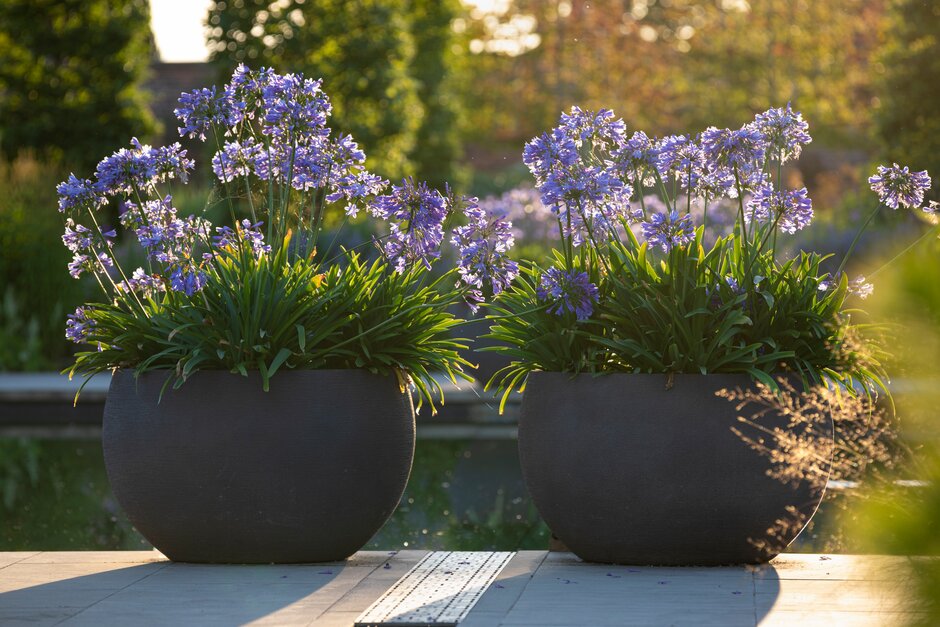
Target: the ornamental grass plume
(860, 447)
(264, 291)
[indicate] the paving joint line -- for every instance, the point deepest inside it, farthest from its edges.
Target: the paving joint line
(351, 590)
(532, 574)
(23, 559)
(135, 582)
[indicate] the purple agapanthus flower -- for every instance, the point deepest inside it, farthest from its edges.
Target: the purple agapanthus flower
(139, 167)
(247, 232)
(860, 287)
(79, 239)
(348, 177)
(716, 183)
(78, 193)
(637, 159)
(578, 175)
(416, 214)
(549, 152)
(784, 131)
(600, 127)
(188, 280)
(79, 264)
(668, 230)
(791, 209)
(147, 285)
(166, 238)
(569, 292)
(738, 150)
(294, 107)
(591, 193)
(897, 186)
(483, 248)
(682, 158)
(90, 262)
(236, 159)
(203, 109)
(78, 326)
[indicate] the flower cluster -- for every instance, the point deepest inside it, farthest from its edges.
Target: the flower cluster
(638, 159)
(147, 285)
(784, 132)
(203, 109)
(76, 193)
(668, 230)
(138, 168)
(587, 168)
(88, 250)
(78, 327)
(859, 286)
(483, 248)
(292, 143)
(788, 210)
(897, 186)
(228, 238)
(416, 217)
(568, 292)
(587, 195)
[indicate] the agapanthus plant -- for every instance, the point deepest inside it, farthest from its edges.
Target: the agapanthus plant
(635, 285)
(265, 291)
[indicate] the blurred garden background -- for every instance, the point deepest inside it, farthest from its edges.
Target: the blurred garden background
(450, 91)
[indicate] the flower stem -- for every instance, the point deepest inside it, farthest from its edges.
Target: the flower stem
(930, 231)
(858, 235)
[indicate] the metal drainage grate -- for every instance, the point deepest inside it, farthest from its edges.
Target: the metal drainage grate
(439, 590)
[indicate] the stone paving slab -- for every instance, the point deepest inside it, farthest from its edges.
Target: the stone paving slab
(535, 588)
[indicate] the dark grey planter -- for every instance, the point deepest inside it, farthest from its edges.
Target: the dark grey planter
(624, 470)
(220, 471)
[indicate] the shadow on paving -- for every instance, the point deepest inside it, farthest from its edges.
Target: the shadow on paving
(166, 593)
(569, 592)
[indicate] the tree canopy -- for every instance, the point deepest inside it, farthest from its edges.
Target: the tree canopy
(393, 101)
(71, 77)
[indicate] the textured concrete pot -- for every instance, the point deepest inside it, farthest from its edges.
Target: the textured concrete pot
(625, 470)
(220, 471)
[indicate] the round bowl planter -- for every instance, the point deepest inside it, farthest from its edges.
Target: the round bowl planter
(220, 471)
(638, 469)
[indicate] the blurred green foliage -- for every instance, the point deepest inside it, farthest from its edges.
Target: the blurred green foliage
(20, 346)
(71, 77)
(37, 289)
(394, 101)
(907, 520)
(19, 469)
(61, 499)
(908, 119)
(439, 51)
